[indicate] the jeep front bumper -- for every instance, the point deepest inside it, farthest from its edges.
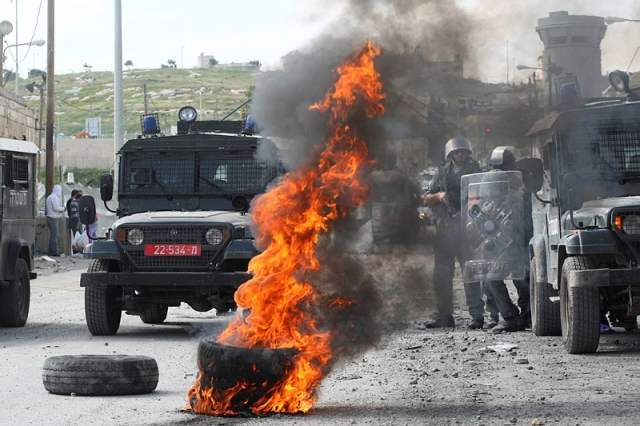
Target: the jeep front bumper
(164, 279)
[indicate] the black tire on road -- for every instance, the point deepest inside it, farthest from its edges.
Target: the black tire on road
(14, 300)
(154, 314)
(579, 309)
(224, 366)
(545, 315)
(100, 375)
(102, 305)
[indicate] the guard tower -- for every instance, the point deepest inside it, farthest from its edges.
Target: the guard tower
(572, 49)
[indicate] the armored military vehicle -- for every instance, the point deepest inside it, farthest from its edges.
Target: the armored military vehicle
(585, 252)
(17, 229)
(183, 233)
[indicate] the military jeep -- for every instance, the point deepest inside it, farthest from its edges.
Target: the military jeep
(17, 229)
(585, 252)
(183, 230)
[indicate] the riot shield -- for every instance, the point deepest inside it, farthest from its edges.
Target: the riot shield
(493, 246)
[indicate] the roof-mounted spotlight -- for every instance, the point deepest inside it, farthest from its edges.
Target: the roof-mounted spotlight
(188, 114)
(619, 80)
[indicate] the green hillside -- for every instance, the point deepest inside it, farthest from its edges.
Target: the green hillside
(169, 89)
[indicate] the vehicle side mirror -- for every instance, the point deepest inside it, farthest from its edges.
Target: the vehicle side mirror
(532, 173)
(106, 187)
(573, 191)
(87, 210)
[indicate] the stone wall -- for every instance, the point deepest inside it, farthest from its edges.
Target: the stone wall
(16, 118)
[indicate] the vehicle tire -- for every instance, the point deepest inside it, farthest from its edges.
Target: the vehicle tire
(102, 305)
(100, 375)
(545, 315)
(225, 366)
(14, 300)
(579, 309)
(154, 314)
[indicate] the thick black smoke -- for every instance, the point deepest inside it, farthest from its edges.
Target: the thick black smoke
(388, 289)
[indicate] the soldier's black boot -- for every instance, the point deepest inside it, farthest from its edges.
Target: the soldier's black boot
(476, 323)
(442, 322)
(510, 325)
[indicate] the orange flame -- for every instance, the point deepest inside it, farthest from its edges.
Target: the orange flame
(290, 217)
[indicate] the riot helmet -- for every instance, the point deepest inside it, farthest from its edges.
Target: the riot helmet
(503, 158)
(455, 144)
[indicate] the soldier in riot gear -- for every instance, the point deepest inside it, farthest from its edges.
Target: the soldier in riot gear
(443, 197)
(503, 158)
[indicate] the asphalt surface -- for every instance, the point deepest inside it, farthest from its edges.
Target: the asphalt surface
(414, 376)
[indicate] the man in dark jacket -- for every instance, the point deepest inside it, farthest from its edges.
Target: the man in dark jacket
(443, 197)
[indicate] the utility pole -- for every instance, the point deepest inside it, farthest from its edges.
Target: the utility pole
(118, 104)
(51, 78)
(146, 102)
(507, 62)
(42, 88)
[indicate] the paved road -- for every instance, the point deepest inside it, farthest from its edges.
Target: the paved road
(56, 326)
(413, 377)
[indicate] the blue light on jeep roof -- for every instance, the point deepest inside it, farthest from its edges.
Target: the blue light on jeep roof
(150, 125)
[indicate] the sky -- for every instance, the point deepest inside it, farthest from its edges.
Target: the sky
(155, 31)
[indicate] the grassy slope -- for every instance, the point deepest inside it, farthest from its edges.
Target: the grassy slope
(169, 89)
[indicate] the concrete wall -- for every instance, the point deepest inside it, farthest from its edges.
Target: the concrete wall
(83, 153)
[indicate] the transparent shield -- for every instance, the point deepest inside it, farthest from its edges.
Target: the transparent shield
(493, 226)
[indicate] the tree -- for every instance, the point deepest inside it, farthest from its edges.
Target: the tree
(212, 62)
(257, 63)
(34, 72)
(128, 64)
(172, 63)
(87, 67)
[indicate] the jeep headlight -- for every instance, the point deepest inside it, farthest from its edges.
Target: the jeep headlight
(631, 224)
(135, 236)
(214, 236)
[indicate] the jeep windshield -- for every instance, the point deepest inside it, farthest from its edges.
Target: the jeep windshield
(606, 159)
(200, 174)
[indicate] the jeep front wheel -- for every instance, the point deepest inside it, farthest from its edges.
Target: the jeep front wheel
(14, 299)
(579, 309)
(102, 305)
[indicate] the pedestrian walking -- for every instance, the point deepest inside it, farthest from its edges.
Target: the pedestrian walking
(443, 196)
(54, 210)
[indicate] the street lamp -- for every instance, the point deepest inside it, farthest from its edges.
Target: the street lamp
(613, 19)
(31, 43)
(5, 29)
(551, 70)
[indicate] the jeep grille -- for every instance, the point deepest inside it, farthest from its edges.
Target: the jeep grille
(173, 235)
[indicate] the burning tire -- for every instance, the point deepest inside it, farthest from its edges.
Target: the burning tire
(225, 366)
(579, 309)
(14, 299)
(100, 375)
(545, 315)
(102, 305)
(154, 314)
